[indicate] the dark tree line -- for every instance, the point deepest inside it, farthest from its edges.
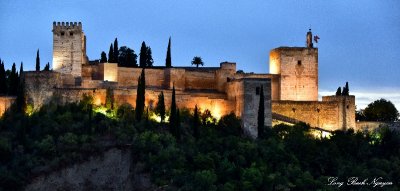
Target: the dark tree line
(345, 92)
(126, 57)
(10, 79)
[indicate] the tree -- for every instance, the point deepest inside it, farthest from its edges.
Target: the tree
(197, 61)
(261, 118)
(381, 110)
(346, 90)
(116, 56)
(178, 125)
(196, 123)
(13, 80)
(3, 79)
(143, 55)
(37, 61)
(47, 67)
(21, 99)
(338, 91)
(172, 116)
(140, 97)
(103, 58)
(111, 54)
(168, 59)
(160, 108)
(127, 57)
(149, 58)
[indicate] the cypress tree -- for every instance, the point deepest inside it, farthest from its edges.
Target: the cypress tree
(168, 59)
(160, 108)
(47, 67)
(21, 69)
(172, 116)
(37, 61)
(178, 125)
(143, 55)
(116, 52)
(103, 58)
(140, 97)
(149, 58)
(261, 119)
(3, 79)
(111, 54)
(13, 80)
(196, 123)
(346, 89)
(339, 91)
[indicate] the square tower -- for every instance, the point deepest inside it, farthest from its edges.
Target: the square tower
(69, 48)
(297, 68)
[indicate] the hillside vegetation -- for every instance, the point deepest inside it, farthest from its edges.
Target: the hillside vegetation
(218, 157)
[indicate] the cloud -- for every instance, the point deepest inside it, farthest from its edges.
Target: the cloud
(365, 97)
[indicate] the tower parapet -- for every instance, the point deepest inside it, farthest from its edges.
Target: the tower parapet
(69, 48)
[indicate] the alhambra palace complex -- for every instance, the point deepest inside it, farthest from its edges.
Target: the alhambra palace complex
(291, 88)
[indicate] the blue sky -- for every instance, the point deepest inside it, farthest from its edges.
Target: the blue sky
(360, 40)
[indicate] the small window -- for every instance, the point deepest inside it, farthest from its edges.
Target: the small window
(299, 62)
(71, 33)
(257, 90)
(347, 106)
(62, 33)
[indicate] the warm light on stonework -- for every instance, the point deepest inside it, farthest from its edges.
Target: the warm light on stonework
(214, 109)
(110, 72)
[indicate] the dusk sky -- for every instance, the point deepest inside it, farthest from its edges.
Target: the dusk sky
(359, 40)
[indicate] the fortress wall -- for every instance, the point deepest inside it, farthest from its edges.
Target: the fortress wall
(68, 48)
(200, 80)
(323, 114)
(128, 76)
(227, 70)
(347, 108)
(39, 86)
(275, 87)
(298, 68)
(251, 104)
(177, 78)
(235, 93)
(5, 103)
(91, 72)
(215, 103)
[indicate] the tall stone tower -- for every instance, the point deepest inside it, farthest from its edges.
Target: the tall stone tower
(297, 70)
(69, 48)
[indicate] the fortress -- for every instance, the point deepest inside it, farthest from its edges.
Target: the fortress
(290, 90)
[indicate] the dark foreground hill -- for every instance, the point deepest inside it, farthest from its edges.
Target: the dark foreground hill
(78, 147)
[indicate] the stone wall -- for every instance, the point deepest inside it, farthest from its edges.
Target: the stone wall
(39, 86)
(298, 70)
(317, 114)
(69, 51)
(347, 108)
(251, 104)
(333, 113)
(5, 103)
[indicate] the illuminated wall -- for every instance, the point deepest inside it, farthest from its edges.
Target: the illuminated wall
(69, 48)
(298, 71)
(333, 113)
(110, 71)
(5, 103)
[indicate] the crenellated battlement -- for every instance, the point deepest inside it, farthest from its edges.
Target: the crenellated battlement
(67, 25)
